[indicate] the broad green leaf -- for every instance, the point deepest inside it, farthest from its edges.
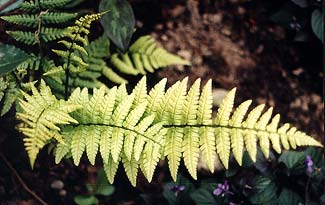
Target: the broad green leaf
(265, 190)
(85, 200)
(10, 58)
(317, 23)
(119, 22)
(292, 159)
(288, 197)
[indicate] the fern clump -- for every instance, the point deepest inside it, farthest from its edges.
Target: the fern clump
(140, 128)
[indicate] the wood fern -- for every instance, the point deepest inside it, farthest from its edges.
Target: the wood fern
(140, 128)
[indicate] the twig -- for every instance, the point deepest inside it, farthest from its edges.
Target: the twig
(7, 4)
(22, 181)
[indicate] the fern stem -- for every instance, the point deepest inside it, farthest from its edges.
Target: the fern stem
(66, 86)
(67, 71)
(216, 126)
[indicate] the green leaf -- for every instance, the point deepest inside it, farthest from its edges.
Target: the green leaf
(265, 190)
(10, 58)
(85, 200)
(204, 195)
(103, 186)
(119, 22)
(317, 23)
(288, 197)
(293, 160)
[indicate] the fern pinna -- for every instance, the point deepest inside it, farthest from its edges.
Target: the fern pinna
(140, 128)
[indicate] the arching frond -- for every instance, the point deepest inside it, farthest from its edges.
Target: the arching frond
(138, 129)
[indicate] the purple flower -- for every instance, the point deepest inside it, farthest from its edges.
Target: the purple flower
(222, 189)
(309, 162)
(177, 189)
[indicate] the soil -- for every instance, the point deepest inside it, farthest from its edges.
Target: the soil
(231, 42)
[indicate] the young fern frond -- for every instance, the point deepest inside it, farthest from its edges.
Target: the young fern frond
(140, 128)
(41, 114)
(77, 41)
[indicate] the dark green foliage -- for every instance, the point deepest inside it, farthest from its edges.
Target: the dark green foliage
(10, 58)
(303, 17)
(317, 24)
(119, 22)
(43, 22)
(279, 185)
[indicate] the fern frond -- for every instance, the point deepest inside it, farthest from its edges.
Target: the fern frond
(77, 36)
(145, 56)
(41, 114)
(138, 129)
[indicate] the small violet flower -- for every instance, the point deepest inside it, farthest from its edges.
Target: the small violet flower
(222, 189)
(177, 189)
(309, 162)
